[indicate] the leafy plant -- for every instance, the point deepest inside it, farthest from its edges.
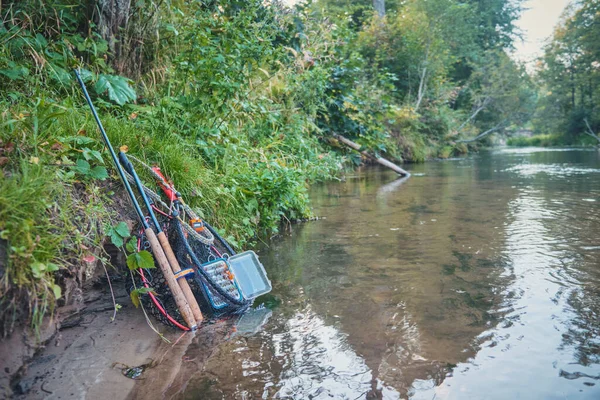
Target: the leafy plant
(83, 168)
(136, 293)
(236, 101)
(118, 88)
(142, 259)
(118, 234)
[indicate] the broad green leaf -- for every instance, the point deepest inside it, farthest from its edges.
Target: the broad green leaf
(38, 268)
(131, 245)
(60, 75)
(40, 42)
(116, 239)
(99, 172)
(118, 88)
(122, 229)
(135, 298)
(143, 259)
(135, 294)
(85, 74)
(15, 73)
(52, 267)
(82, 166)
(145, 290)
(146, 259)
(89, 154)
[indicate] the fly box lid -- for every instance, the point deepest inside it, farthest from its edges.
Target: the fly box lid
(250, 274)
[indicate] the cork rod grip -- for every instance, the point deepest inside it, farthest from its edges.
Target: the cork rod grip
(163, 263)
(185, 287)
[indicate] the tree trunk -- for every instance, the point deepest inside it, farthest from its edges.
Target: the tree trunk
(423, 80)
(112, 16)
(486, 101)
(379, 6)
(484, 134)
(572, 90)
(380, 160)
(119, 23)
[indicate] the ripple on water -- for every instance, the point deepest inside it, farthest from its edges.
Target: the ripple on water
(557, 170)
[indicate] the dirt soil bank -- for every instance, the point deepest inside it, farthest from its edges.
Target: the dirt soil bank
(90, 356)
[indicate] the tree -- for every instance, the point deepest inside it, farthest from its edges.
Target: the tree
(495, 22)
(569, 74)
(501, 93)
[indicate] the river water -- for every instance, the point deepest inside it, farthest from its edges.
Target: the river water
(477, 278)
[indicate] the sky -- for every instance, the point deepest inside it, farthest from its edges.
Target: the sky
(537, 24)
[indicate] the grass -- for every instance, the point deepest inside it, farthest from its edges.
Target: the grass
(30, 201)
(54, 213)
(546, 140)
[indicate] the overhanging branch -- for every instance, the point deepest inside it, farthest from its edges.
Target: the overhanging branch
(590, 131)
(494, 129)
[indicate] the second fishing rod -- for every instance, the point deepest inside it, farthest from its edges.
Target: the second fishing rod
(164, 241)
(185, 300)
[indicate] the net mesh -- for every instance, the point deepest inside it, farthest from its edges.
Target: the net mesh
(190, 253)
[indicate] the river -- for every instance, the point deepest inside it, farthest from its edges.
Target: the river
(477, 278)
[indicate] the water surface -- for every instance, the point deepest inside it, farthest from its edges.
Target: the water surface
(477, 278)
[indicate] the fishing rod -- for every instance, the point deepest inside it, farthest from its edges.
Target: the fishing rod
(164, 242)
(157, 250)
(185, 243)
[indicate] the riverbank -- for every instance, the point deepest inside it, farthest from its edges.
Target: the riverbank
(90, 355)
(83, 353)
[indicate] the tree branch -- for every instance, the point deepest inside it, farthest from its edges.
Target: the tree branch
(590, 131)
(423, 82)
(494, 129)
(485, 103)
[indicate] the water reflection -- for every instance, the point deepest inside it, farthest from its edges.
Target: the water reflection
(476, 278)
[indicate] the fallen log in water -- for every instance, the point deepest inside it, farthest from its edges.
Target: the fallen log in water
(380, 160)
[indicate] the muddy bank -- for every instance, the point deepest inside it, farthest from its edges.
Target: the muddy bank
(85, 355)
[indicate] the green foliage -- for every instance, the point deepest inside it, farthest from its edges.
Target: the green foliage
(118, 234)
(37, 225)
(569, 75)
(142, 259)
(135, 295)
(117, 87)
(83, 167)
(41, 45)
(547, 140)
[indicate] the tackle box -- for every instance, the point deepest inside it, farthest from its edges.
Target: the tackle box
(249, 274)
(218, 270)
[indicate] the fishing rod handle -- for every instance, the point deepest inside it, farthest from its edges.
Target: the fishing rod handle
(176, 291)
(183, 283)
(164, 242)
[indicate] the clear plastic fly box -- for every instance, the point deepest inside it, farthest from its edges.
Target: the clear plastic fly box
(250, 274)
(219, 272)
